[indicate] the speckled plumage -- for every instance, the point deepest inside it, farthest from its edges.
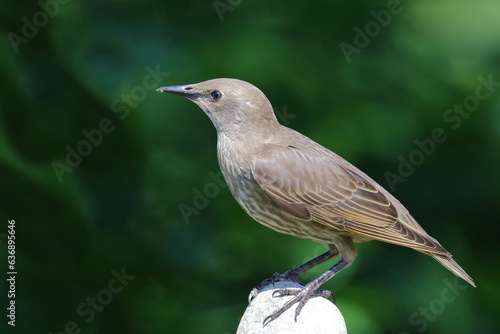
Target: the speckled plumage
(295, 186)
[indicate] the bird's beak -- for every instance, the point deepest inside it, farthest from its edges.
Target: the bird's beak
(186, 91)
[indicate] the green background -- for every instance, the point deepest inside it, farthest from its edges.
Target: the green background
(119, 207)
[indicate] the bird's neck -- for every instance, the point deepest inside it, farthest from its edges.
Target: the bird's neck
(235, 150)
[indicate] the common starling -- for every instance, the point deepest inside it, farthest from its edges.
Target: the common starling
(295, 186)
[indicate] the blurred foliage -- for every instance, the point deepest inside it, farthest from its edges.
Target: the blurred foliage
(119, 206)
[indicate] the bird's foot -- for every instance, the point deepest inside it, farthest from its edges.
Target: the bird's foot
(288, 276)
(302, 295)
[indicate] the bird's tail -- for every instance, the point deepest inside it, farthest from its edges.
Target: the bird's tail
(453, 266)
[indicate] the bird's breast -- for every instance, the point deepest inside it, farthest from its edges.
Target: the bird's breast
(259, 205)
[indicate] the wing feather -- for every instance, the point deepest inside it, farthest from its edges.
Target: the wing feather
(312, 185)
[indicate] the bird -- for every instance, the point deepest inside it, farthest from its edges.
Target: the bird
(295, 186)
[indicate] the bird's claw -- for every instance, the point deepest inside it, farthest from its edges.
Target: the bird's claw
(296, 291)
(302, 295)
(277, 277)
(253, 294)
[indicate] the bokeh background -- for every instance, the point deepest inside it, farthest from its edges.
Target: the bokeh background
(143, 200)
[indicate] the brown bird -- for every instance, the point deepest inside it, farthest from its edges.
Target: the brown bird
(295, 186)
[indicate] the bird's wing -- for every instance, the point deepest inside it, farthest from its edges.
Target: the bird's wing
(311, 185)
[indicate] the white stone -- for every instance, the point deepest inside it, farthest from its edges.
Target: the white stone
(319, 315)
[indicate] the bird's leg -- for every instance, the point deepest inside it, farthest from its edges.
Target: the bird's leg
(329, 254)
(292, 274)
(303, 294)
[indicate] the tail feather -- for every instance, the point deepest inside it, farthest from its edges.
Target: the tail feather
(453, 266)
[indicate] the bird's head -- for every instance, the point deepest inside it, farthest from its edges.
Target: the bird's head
(231, 104)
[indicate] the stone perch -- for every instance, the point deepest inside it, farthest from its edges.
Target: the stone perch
(319, 315)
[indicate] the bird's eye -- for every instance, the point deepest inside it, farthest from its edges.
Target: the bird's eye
(216, 95)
